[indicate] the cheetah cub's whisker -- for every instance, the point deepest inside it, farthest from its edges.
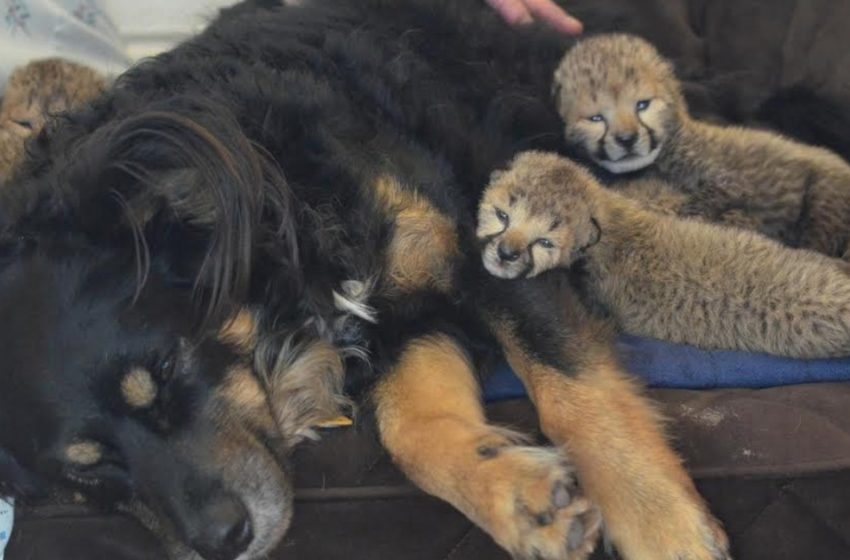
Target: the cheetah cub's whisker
(663, 276)
(623, 107)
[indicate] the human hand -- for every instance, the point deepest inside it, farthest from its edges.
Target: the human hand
(520, 12)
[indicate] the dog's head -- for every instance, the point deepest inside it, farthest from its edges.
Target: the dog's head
(117, 395)
(620, 101)
(114, 380)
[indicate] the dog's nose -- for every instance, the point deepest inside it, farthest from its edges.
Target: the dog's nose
(227, 533)
(627, 140)
(507, 254)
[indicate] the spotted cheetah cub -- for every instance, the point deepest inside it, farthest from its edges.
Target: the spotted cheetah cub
(623, 106)
(34, 92)
(663, 276)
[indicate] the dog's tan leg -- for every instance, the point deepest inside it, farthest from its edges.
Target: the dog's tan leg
(431, 421)
(650, 507)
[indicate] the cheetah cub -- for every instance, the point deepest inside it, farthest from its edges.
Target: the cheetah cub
(623, 107)
(34, 92)
(663, 276)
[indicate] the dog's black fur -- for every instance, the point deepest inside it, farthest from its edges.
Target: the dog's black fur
(233, 173)
(230, 174)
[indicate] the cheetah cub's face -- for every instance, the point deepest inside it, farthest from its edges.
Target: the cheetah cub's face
(619, 99)
(535, 216)
(45, 87)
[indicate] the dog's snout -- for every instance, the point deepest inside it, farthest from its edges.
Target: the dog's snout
(506, 253)
(227, 531)
(627, 140)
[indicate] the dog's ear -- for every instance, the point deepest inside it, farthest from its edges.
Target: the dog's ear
(179, 175)
(15, 480)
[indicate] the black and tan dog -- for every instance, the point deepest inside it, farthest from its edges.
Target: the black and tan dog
(277, 215)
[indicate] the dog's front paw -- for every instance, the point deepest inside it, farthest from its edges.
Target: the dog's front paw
(704, 541)
(673, 528)
(535, 509)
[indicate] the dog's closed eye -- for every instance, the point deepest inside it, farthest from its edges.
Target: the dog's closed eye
(89, 463)
(84, 453)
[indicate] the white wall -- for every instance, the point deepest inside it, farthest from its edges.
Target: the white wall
(151, 26)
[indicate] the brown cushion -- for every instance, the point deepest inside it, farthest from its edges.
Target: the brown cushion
(774, 464)
(784, 431)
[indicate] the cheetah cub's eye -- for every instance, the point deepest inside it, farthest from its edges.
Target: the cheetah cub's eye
(22, 124)
(596, 118)
(643, 104)
(502, 215)
(546, 243)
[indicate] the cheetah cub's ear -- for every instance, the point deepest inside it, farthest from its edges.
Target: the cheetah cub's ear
(535, 216)
(619, 99)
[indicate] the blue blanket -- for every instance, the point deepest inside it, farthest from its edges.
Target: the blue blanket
(663, 364)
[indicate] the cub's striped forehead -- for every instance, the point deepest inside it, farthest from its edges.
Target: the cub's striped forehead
(610, 66)
(540, 181)
(601, 60)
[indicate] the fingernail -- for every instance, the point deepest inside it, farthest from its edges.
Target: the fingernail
(573, 26)
(525, 19)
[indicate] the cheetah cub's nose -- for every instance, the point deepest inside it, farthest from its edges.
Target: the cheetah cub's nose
(627, 140)
(507, 254)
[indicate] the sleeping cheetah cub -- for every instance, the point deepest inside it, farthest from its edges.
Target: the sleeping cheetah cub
(623, 106)
(662, 276)
(34, 92)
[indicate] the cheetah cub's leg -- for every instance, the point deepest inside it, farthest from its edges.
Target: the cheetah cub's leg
(650, 507)
(431, 421)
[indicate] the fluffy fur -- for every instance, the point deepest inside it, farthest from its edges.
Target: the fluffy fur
(248, 216)
(670, 278)
(622, 106)
(526, 226)
(33, 93)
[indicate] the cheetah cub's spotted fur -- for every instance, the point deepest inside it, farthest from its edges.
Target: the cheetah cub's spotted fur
(623, 106)
(663, 276)
(34, 92)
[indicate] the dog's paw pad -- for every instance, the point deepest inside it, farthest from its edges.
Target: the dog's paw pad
(537, 511)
